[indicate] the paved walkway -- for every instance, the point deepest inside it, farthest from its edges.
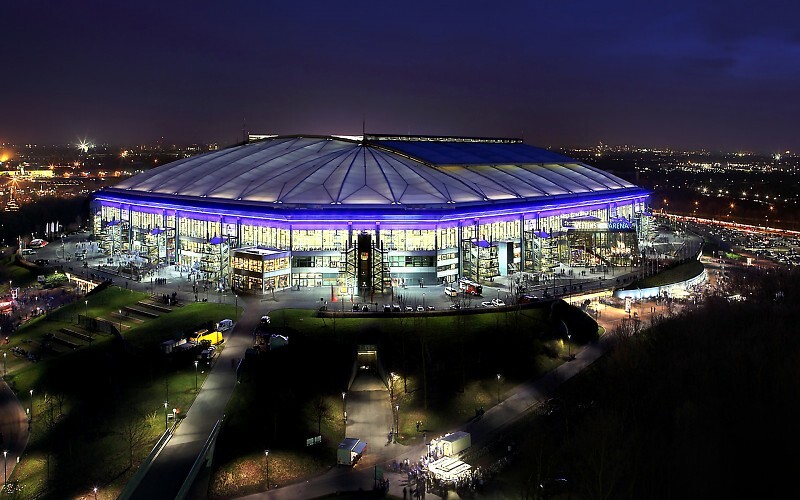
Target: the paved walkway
(169, 470)
(14, 428)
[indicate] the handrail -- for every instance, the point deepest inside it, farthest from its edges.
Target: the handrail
(131, 485)
(187, 483)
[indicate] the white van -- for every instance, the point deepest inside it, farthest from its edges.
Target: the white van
(225, 324)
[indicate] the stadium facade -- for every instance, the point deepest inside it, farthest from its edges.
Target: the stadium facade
(359, 214)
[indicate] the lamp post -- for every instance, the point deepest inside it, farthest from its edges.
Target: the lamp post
(5, 468)
(120, 321)
(195, 375)
(236, 307)
(95, 492)
(391, 388)
(166, 422)
(266, 461)
(423, 301)
(569, 346)
(344, 406)
(397, 421)
(31, 391)
(498, 388)
(86, 310)
(5, 355)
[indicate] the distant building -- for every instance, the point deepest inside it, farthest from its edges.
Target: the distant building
(360, 214)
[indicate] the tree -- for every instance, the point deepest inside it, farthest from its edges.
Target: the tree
(135, 433)
(321, 408)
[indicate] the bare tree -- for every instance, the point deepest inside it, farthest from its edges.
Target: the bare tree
(321, 409)
(134, 431)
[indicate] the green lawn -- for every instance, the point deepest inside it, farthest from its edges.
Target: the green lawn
(99, 409)
(464, 353)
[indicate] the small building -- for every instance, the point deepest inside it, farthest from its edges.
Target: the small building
(452, 444)
(349, 451)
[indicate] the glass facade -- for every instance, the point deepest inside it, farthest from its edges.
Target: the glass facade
(474, 248)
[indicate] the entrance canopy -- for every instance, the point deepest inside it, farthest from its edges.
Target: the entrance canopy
(449, 469)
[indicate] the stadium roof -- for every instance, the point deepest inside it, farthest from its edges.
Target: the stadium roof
(376, 170)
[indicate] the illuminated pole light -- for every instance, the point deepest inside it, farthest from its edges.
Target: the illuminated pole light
(5, 355)
(195, 375)
(498, 388)
(31, 391)
(86, 310)
(266, 461)
(569, 346)
(397, 421)
(166, 422)
(5, 468)
(95, 492)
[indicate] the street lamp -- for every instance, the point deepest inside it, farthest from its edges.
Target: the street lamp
(166, 422)
(5, 354)
(498, 388)
(87, 308)
(31, 405)
(569, 346)
(120, 321)
(236, 308)
(344, 407)
(266, 461)
(5, 468)
(391, 388)
(95, 492)
(397, 424)
(195, 375)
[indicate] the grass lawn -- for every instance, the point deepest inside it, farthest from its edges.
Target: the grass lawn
(99, 409)
(284, 392)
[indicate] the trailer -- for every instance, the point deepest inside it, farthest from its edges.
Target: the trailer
(349, 451)
(452, 444)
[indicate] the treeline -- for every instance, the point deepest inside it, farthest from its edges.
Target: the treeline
(34, 217)
(703, 405)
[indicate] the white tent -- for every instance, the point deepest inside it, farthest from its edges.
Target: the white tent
(449, 469)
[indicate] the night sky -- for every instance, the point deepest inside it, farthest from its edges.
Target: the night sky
(719, 75)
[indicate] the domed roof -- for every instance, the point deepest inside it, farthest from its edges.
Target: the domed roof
(374, 170)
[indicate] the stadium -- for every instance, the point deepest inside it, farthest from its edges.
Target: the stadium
(363, 214)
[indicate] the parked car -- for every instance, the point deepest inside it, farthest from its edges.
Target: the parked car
(409, 308)
(365, 308)
(420, 308)
(387, 308)
(455, 306)
(450, 291)
(396, 308)
(431, 308)
(498, 302)
(487, 303)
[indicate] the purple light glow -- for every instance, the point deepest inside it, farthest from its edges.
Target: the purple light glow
(386, 217)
